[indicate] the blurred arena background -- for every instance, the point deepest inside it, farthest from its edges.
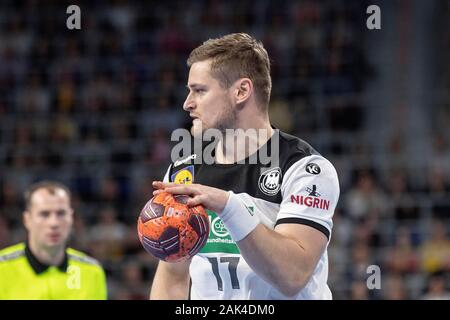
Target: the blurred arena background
(95, 107)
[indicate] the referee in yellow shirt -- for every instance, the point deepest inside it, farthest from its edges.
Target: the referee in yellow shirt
(43, 267)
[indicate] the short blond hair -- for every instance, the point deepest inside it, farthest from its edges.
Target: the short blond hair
(236, 56)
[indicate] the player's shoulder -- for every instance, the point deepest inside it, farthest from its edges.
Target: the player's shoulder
(293, 148)
(187, 156)
(298, 155)
(186, 151)
(12, 252)
(190, 149)
(81, 257)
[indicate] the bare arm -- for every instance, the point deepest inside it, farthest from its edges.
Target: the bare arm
(285, 257)
(171, 281)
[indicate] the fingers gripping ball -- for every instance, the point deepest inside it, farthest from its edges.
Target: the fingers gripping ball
(170, 230)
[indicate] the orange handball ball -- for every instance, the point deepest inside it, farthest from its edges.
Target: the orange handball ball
(170, 230)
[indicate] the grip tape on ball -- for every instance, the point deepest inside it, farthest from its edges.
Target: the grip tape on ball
(237, 219)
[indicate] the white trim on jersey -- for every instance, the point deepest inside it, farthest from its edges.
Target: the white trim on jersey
(166, 176)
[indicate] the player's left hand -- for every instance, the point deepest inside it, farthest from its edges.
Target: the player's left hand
(211, 198)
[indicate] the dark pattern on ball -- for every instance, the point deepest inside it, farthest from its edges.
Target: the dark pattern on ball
(170, 230)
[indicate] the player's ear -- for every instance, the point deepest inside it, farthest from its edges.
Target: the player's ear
(26, 219)
(71, 213)
(243, 90)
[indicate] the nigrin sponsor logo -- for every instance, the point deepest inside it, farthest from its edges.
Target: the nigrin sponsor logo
(312, 202)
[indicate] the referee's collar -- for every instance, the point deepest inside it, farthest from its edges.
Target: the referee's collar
(40, 267)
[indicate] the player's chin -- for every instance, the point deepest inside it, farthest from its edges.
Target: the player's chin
(55, 240)
(197, 130)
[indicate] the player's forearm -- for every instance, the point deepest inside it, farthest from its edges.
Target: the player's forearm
(169, 286)
(169, 292)
(279, 260)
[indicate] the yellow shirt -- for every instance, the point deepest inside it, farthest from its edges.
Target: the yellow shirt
(23, 277)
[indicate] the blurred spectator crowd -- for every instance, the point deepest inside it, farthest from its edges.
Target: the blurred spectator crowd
(95, 108)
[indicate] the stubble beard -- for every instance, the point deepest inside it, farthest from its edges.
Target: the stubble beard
(226, 120)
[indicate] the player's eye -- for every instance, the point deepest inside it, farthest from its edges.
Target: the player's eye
(61, 213)
(199, 90)
(44, 214)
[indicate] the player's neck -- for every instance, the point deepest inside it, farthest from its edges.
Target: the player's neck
(52, 256)
(242, 143)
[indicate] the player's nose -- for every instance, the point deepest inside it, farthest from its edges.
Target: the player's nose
(189, 103)
(53, 221)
